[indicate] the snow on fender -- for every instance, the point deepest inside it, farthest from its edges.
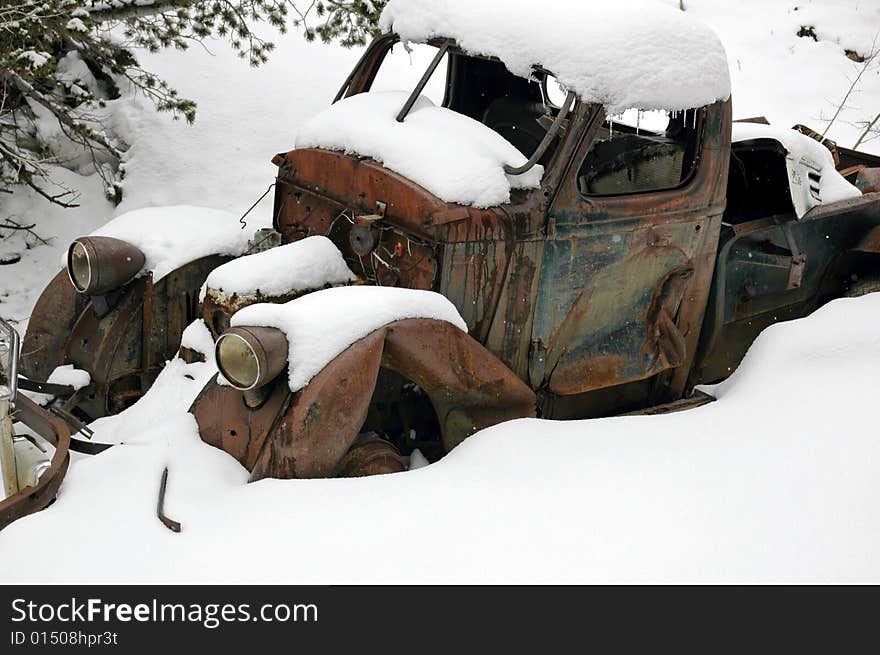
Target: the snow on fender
(320, 325)
(337, 340)
(173, 236)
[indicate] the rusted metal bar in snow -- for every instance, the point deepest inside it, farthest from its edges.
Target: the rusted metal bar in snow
(171, 524)
(49, 388)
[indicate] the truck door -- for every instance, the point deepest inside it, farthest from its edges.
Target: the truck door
(628, 258)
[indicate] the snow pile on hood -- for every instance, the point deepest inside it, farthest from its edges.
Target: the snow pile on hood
(806, 157)
(320, 325)
(300, 266)
(627, 54)
(171, 237)
(451, 155)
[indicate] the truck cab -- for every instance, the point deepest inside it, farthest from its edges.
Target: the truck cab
(589, 280)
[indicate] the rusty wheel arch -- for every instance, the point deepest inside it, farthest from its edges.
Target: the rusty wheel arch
(308, 433)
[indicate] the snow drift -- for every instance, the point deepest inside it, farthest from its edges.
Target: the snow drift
(299, 266)
(774, 482)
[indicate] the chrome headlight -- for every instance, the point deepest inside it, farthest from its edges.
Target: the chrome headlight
(251, 357)
(9, 350)
(99, 265)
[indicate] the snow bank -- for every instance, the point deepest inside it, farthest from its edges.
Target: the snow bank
(300, 266)
(627, 54)
(171, 237)
(792, 79)
(805, 156)
(451, 155)
(320, 325)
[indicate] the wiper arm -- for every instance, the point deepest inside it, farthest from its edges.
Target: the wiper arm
(422, 82)
(546, 141)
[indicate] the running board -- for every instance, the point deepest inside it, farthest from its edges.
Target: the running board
(696, 399)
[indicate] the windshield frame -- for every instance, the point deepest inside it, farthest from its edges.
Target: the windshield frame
(362, 76)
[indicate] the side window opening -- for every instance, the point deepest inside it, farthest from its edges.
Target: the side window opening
(641, 151)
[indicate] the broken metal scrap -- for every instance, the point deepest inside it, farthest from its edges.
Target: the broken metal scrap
(171, 524)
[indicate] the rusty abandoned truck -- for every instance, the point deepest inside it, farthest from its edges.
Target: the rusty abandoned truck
(641, 263)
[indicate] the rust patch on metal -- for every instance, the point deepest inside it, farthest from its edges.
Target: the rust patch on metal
(122, 340)
(868, 180)
(226, 422)
(470, 388)
(871, 241)
(324, 418)
(372, 457)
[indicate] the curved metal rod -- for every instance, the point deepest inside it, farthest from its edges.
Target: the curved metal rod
(171, 524)
(546, 141)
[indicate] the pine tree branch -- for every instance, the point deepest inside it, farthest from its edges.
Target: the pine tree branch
(103, 12)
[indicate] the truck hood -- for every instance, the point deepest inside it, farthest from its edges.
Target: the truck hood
(455, 157)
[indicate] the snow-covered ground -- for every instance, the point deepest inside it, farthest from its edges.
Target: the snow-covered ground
(775, 481)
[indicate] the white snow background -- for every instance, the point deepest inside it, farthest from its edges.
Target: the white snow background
(776, 481)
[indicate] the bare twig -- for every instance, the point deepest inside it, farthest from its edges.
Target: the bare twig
(9, 224)
(867, 131)
(865, 65)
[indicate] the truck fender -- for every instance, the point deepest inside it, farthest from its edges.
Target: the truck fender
(306, 434)
(122, 341)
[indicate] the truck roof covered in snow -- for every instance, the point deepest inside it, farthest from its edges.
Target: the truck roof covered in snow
(635, 54)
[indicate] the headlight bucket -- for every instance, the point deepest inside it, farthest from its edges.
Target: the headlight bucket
(98, 265)
(251, 357)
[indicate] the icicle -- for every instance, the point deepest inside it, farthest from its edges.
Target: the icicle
(611, 127)
(638, 119)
